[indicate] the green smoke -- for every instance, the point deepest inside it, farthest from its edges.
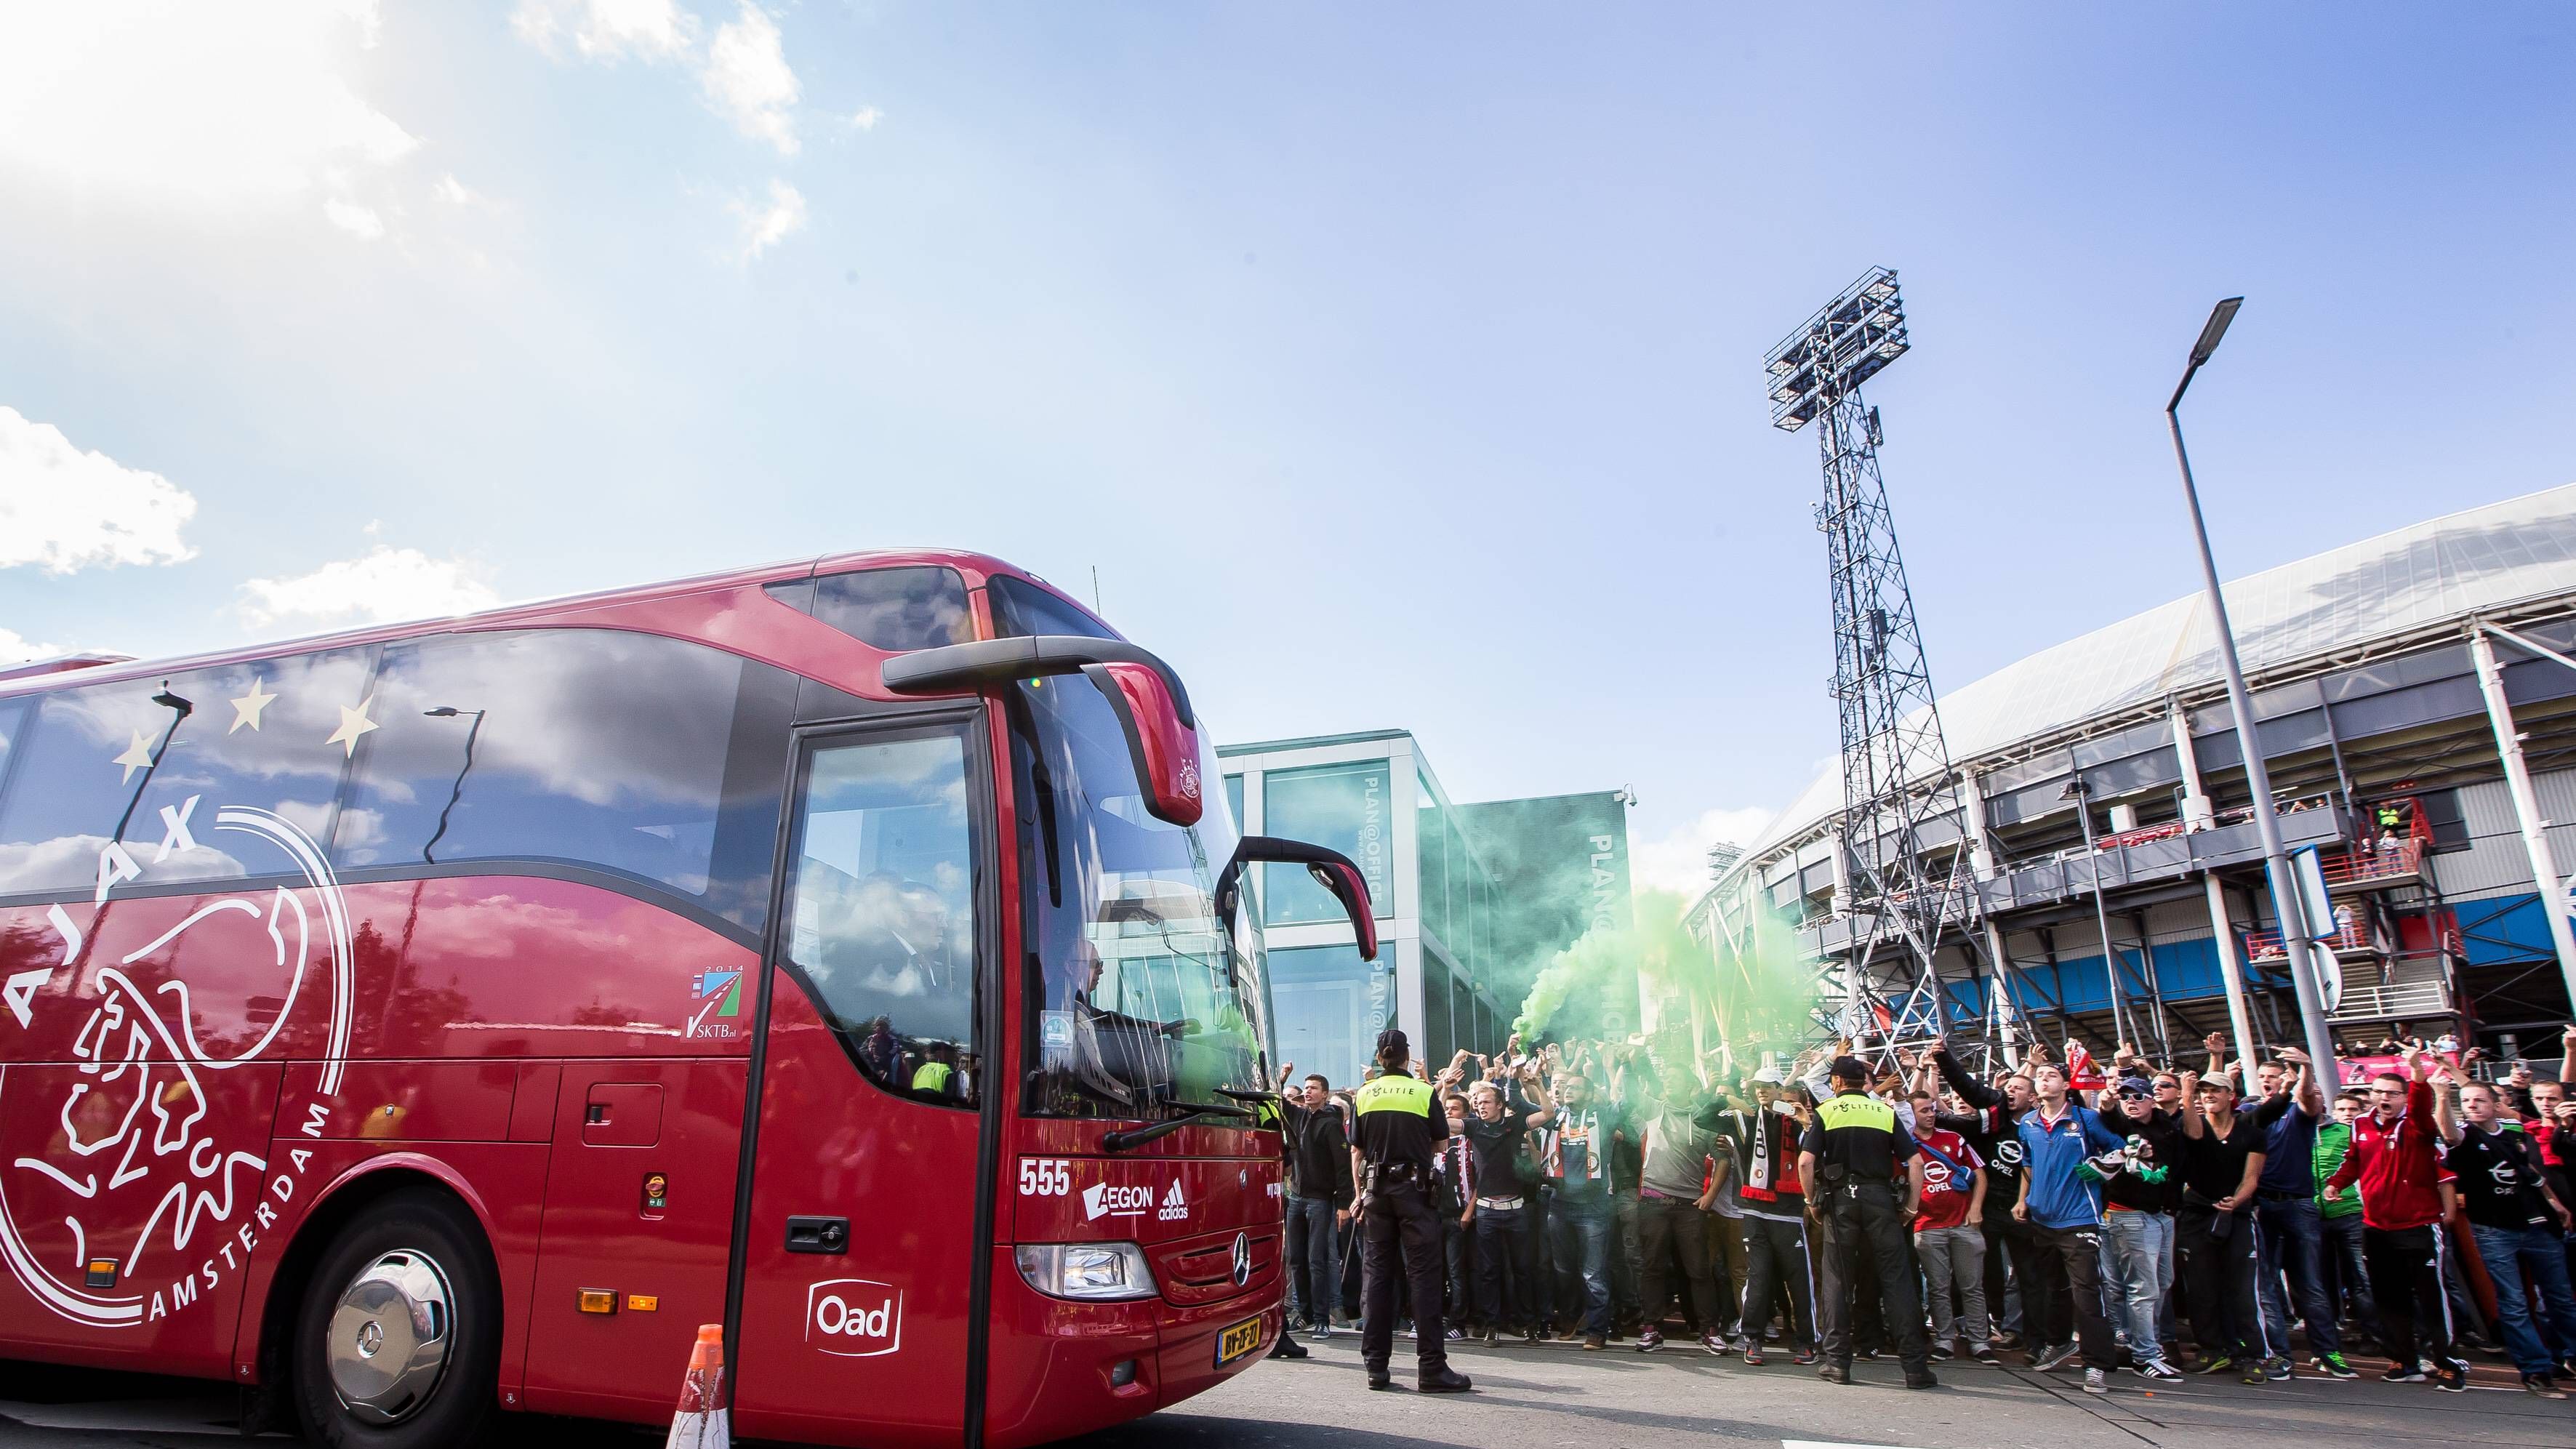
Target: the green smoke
(1754, 992)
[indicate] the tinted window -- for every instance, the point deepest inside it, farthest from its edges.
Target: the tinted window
(883, 909)
(273, 735)
(1021, 608)
(1342, 806)
(896, 609)
(646, 756)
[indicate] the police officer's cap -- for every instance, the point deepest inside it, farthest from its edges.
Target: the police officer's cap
(1849, 1069)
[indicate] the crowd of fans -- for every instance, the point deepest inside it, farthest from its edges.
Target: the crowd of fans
(2148, 1218)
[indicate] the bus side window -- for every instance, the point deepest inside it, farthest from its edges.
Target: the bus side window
(647, 757)
(882, 911)
(255, 734)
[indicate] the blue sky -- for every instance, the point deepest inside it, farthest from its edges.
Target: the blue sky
(1393, 365)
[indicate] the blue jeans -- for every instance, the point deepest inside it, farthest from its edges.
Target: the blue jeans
(2511, 1254)
(2349, 1270)
(1314, 1258)
(1579, 1235)
(2294, 1238)
(2140, 1246)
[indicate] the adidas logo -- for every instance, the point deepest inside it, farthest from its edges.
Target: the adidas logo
(1175, 1206)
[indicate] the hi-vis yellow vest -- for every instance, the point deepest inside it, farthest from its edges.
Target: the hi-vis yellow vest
(1857, 1111)
(1395, 1094)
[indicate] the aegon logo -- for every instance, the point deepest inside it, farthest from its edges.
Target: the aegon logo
(1104, 1199)
(854, 1317)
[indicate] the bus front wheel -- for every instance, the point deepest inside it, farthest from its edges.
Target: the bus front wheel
(398, 1341)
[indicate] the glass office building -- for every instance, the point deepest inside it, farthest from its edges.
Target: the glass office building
(1456, 920)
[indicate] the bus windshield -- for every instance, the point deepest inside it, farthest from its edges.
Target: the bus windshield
(1141, 1003)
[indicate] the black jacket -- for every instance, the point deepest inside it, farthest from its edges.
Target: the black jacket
(1990, 1129)
(1319, 1152)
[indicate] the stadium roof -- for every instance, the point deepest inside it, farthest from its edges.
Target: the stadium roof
(2483, 560)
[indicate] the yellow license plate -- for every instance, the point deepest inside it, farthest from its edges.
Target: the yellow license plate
(1237, 1341)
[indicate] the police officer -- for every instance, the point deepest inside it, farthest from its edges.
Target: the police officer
(1398, 1142)
(1851, 1163)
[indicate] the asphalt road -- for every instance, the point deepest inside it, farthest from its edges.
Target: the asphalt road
(1551, 1396)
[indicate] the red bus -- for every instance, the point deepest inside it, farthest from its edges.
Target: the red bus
(424, 1022)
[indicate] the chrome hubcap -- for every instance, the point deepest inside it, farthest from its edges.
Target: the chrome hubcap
(388, 1341)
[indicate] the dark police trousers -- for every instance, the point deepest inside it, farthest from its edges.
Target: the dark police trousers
(1401, 1220)
(1858, 1219)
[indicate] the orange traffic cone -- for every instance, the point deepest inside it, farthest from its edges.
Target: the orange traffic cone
(701, 1421)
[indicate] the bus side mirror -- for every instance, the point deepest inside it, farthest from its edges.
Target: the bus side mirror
(1164, 751)
(1331, 869)
(1153, 709)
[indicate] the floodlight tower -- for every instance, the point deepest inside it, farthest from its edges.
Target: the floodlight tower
(1896, 767)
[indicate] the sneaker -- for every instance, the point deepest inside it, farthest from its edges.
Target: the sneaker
(1943, 1350)
(1594, 1343)
(2096, 1382)
(2156, 1368)
(1804, 1356)
(1532, 1336)
(2216, 1363)
(2277, 1368)
(1493, 1338)
(2332, 1366)
(2050, 1358)
(1456, 1335)
(1740, 1342)
(1412, 1332)
(1320, 1332)
(1715, 1343)
(2404, 1373)
(1984, 1353)
(2452, 1378)
(2542, 1385)
(1651, 1340)
(1753, 1356)
(2254, 1373)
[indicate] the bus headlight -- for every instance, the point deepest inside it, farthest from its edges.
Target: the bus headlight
(1089, 1272)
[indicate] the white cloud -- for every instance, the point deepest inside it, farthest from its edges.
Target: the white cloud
(65, 509)
(16, 649)
(764, 225)
(358, 221)
(866, 118)
(180, 101)
(1678, 861)
(454, 192)
(608, 30)
(747, 80)
(379, 586)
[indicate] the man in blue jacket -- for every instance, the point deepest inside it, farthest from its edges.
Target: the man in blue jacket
(2062, 1203)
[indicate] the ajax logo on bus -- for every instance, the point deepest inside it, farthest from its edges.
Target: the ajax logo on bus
(854, 1317)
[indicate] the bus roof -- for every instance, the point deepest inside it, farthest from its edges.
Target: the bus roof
(562, 610)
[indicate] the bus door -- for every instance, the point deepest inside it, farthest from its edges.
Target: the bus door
(859, 1244)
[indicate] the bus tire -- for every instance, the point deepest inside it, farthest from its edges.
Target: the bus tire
(398, 1340)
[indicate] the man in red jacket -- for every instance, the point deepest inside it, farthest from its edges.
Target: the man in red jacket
(2396, 1160)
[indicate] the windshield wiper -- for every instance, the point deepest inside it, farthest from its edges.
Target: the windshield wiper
(1247, 1096)
(1139, 1136)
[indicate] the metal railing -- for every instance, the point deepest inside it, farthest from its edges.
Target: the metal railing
(2395, 860)
(2266, 945)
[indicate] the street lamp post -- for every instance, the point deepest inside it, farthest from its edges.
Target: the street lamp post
(2276, 859)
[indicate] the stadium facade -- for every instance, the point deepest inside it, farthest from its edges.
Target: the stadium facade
(2384, 755)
